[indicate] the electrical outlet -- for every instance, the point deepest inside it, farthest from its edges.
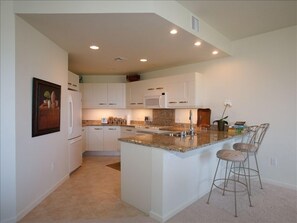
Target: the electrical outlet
(273, 162)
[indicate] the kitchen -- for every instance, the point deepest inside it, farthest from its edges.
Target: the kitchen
(257, 61)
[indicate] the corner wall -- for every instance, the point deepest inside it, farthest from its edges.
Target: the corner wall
(7, 108)
(42, 161)
(260, 80)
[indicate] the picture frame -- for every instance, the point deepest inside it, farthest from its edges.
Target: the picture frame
(46, 110)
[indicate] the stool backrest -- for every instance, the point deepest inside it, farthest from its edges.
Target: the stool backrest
(260, 134)
(251, 134)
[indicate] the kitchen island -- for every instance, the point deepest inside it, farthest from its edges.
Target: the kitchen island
(161, 175)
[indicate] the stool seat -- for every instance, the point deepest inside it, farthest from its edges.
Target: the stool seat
(231, 155)
(245, 147)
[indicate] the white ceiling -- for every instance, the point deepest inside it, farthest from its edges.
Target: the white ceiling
(239, 19)
(136, 36)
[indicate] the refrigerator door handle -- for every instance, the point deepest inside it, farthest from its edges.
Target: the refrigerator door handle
(70, 104)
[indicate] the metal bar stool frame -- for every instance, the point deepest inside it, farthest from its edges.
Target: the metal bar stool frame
(252, 148)
(233, 157)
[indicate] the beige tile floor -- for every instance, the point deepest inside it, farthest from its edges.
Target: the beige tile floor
(92, 192)
(92, 195)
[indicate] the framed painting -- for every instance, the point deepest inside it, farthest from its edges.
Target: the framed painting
(45, 107)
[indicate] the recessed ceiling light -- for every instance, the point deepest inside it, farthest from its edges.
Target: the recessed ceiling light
(173, 31)
(215, 52)
(93, 47)
(143, 60)
(198, 43)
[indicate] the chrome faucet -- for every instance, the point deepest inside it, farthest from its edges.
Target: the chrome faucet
(191, 124)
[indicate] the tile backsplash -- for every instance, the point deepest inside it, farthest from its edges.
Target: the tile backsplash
(164, 117)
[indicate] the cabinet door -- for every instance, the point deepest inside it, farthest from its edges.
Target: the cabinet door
(153, 86)
(137, 92)
(127, 132)
(84, 138)
(88, 100)
(100, 95)
(111, 135)
(178, 94)
(73, 81)
(95, 138)
(116, 95)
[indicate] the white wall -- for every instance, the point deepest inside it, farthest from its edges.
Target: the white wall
(7, 107)
(41, 162)
(260, 80)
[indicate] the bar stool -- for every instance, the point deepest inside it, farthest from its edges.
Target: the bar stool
(234, 157)
(252, 148)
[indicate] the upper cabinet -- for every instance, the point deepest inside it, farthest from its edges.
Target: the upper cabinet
(134, 94)
(183, 91)
(103, 95)
(73, 81)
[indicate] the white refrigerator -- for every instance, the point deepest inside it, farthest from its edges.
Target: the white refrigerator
(74, 130)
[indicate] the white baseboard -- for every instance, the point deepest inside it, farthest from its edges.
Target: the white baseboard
(172, 213)
(280, 184)
(101, 153)
(30, 207)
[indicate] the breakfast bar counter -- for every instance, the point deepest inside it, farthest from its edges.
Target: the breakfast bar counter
(199, 140)
(161, 175)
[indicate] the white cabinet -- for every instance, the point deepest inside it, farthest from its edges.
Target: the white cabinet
(127, 131)
(103, 95)
(185, 91)
(73, 81)
(178, 94)
(84, 138)
(155, 86)
(95, 138)
(111, 135)
(103, 138)
(116, 95)
(135, 92)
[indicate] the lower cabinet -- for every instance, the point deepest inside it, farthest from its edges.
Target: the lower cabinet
(103, 138)
(110, 141)
(127, 131)
(95, 138)
(84, 138)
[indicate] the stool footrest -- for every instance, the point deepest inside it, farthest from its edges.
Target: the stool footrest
(226, 189)
(255, 172)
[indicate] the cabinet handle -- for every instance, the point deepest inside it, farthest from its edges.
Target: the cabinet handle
(102, 103)
(133, 103)
(140, 103)
(112, 103)
(151, 89)
(74, 85)
(98, 128)
(183, 102)
(112, 129)
(159, 88)
(172, 102)
(69, 84)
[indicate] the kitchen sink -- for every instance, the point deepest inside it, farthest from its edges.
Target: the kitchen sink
(178, 134)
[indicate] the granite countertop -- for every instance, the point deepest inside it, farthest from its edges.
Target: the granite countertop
(182, 144)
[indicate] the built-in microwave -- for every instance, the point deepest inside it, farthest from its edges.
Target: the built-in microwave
(156, 101)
